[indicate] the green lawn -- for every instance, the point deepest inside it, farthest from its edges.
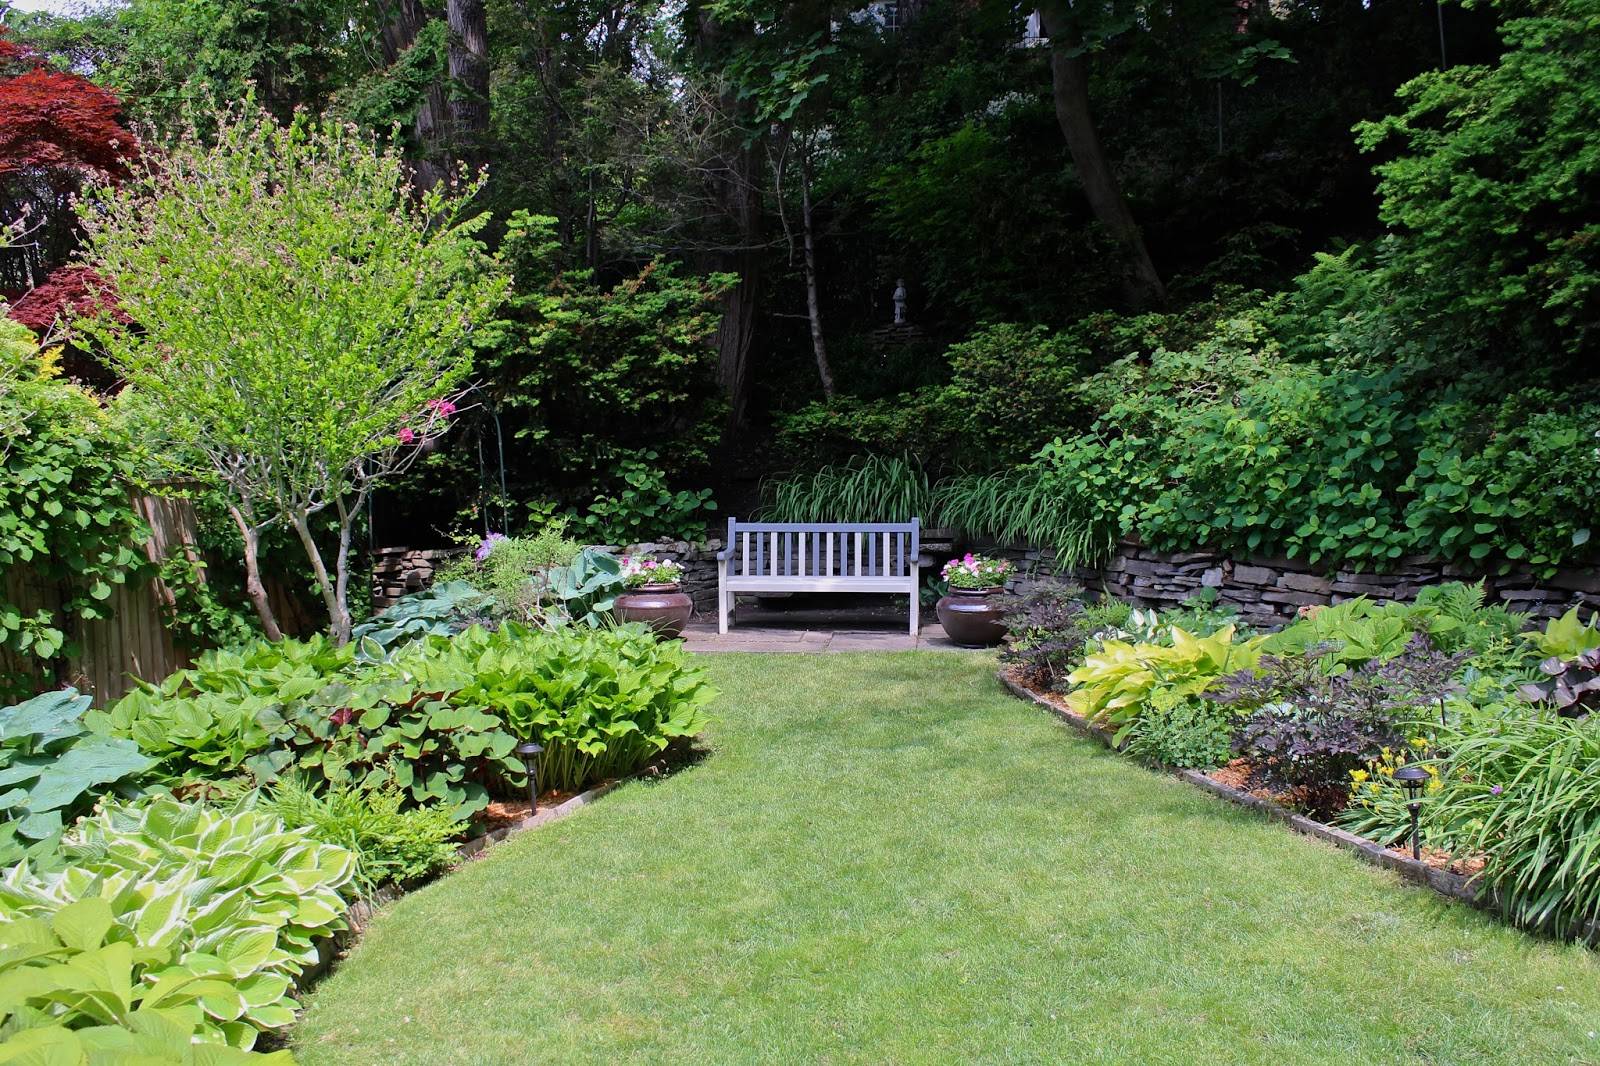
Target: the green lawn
(888, 859)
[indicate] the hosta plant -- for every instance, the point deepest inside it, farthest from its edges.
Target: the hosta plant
(74, 989)
(440, 611)
(584, 591)
(406, 725)
(52, 770)
(190, 890)
(1115, 684)
(602, 702)
(228, 714)
(1350, 633)
(1566, 637)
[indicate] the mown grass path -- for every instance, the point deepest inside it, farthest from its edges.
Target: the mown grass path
(888, 859)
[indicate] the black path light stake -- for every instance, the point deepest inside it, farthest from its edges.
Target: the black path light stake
(1413, 778)
(530, 753)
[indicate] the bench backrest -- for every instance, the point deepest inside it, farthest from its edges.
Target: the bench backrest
(822, 549)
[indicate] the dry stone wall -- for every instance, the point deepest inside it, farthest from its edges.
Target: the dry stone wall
(1268, 591)
(399, 571)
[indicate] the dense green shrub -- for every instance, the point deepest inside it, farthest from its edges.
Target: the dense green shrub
(1512, 482)
(392, 844)
(1010, 387)
(595, 376)
(1194, 734)
(638, 505)
(52, 770)
(1489, 193)
(222, 911)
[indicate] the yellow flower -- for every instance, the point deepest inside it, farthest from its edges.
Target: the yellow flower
(1419, 742)
(1358, 776)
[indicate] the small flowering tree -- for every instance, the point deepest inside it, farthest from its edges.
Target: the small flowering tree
(296, 321)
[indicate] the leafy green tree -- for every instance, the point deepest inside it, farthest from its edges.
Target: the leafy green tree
(301, 321)
(1493, 198)
(596, 378)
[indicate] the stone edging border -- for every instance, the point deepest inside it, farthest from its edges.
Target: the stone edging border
(1454, 885)
(363, 911)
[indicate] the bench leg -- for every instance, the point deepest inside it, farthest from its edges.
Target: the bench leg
(724, 600)
(916, 602)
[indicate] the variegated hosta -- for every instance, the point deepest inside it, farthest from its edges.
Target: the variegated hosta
(1115, 683)
(74, 989)
(233, 900)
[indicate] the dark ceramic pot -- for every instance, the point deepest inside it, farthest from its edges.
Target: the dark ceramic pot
(971, 617)
(664, 608)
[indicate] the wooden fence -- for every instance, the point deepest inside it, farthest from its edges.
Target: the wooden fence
(132, 641)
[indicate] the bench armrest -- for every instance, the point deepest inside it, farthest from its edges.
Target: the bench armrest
(727, 546)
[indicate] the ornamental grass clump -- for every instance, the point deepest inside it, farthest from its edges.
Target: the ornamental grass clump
(1521, 789)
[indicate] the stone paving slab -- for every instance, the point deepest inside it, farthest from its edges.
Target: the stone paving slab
(769, 637)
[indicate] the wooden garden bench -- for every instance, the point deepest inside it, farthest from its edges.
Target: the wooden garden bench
(818, 557)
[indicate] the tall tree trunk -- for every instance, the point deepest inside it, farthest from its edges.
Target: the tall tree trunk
(402, 21)
(253, 586)
(813, 299)
(338, 613)
(1069, 75)
(469, 76)
(735, 176)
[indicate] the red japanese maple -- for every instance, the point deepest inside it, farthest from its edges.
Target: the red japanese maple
(75, 289)
(59, 126)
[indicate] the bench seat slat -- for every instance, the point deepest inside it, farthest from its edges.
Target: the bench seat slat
(818, 584)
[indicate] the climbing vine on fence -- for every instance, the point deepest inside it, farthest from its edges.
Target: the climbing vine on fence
(66, 522)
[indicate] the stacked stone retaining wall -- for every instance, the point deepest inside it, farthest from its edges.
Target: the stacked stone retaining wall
(1265, 590)
(399, 571)
(1268, 591)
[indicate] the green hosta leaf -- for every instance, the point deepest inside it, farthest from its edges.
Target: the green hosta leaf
(92, 761)
(83, 925)
(49, 714)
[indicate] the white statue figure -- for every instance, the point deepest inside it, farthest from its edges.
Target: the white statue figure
(899, 301)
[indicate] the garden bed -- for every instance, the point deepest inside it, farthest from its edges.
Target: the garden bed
(1433, 870)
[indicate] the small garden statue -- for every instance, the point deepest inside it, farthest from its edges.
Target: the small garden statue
(900, 301)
